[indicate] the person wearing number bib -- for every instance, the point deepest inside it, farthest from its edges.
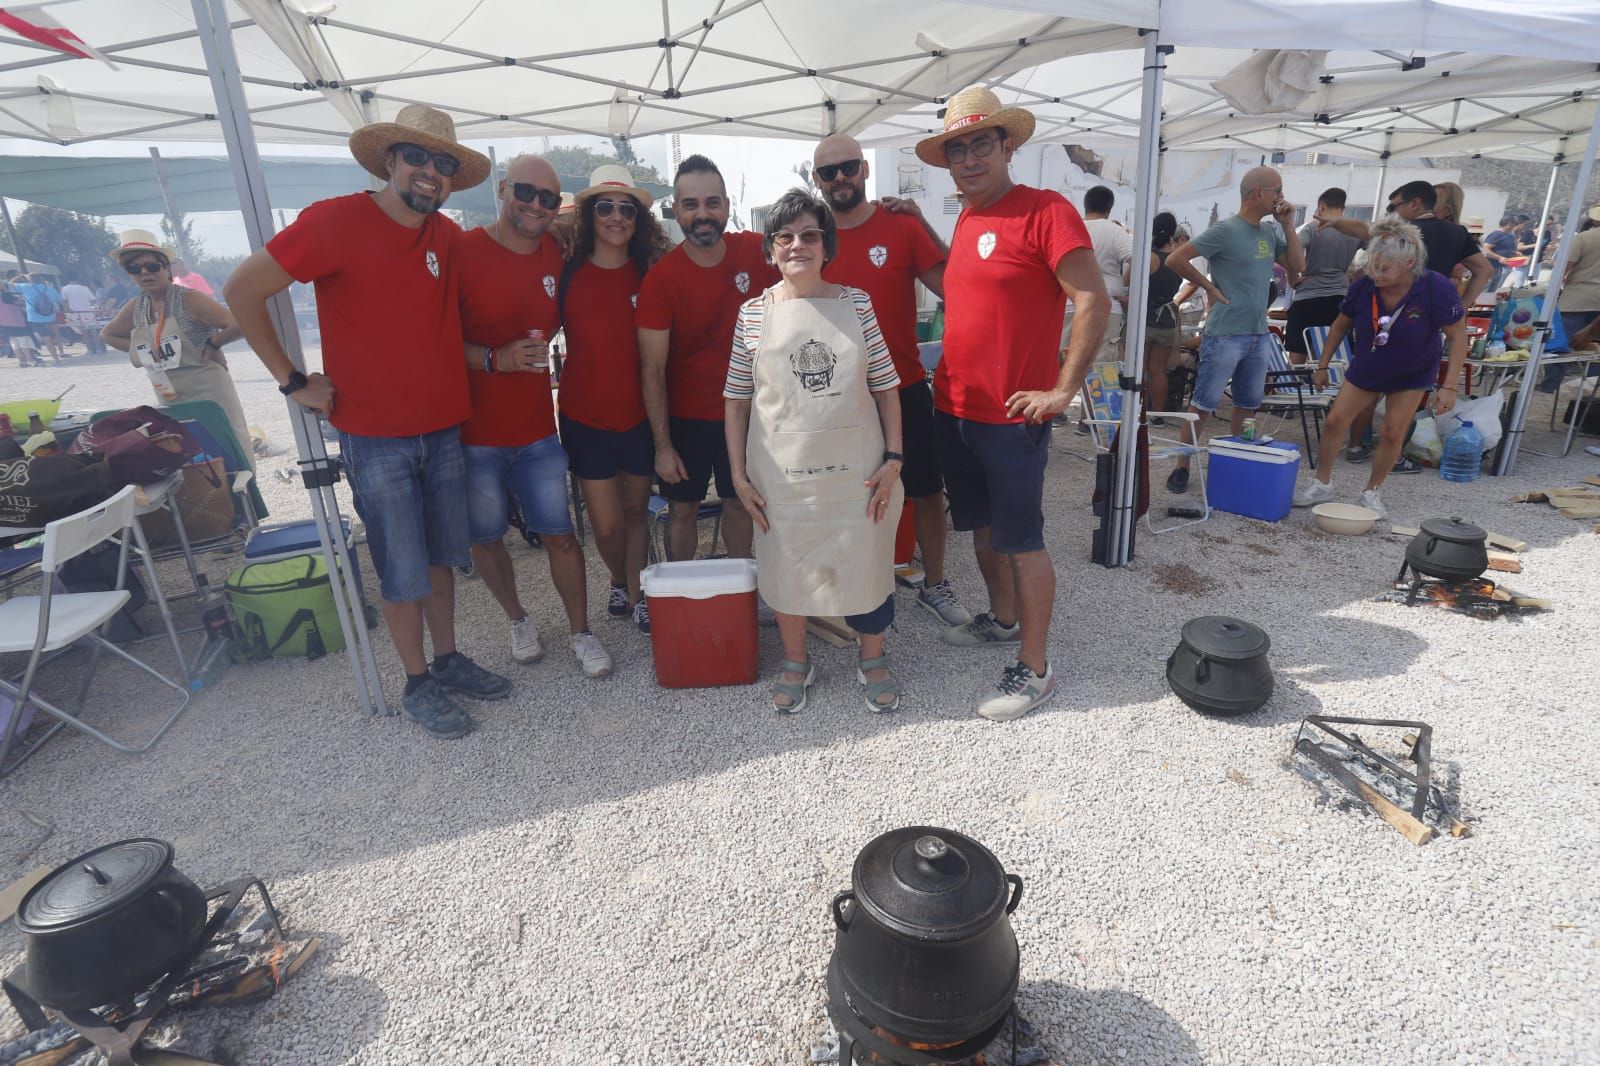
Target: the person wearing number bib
(175, 334)
(813, 425)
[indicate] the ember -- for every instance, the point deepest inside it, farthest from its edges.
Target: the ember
(1477, 598)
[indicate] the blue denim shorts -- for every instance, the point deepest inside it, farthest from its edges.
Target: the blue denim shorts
(412, 494)
(536, 473)
(1240, 358)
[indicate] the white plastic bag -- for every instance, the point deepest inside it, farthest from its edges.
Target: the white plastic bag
(1483, 413)
(1425, 445)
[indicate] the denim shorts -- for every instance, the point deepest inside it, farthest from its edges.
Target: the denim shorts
(1240, 358)
(536, 473)
(412, 494)
(994, 477)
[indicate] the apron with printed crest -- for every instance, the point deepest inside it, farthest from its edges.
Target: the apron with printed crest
(160, 331)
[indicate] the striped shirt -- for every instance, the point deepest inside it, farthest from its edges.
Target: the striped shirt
(881, 375)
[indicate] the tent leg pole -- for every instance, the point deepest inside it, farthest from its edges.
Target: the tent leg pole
(11, 232)
(173, 218)
(1379, 201)
(319, 473)
(1549, 199)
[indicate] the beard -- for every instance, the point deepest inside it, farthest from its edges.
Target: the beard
(421, 203)
(703, 233)
(846, 198)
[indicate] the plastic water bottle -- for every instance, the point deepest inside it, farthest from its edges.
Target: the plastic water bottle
(212, 662)
(1463, 454)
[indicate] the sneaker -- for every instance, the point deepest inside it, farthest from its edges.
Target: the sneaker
(1312, 493)
(468, 678)
(641, 615)
(940, 598)
(1020, 690)
(617, 604)
(1592, 449)
(1406, 465)
(1178, 481)
(1373, 502)
(983, 629)
(525, 646)
(591, 656)
(433, 709)
(468, 572)
(1359, 454)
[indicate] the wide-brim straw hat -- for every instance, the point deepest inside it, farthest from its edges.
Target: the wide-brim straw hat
(135, 241)
(972, 109)
(1474, 224)
(421, 125)
(613, 177)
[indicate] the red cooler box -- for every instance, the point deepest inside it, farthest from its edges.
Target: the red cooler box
(703, 622)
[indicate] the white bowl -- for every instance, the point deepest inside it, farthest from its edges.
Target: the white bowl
(1345, 519)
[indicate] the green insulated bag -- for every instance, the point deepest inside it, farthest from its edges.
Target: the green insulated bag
(285, 608)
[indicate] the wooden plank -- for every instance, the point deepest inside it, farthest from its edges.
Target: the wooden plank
(830, 632)
(1403, 531)
(1505, 543)
(11, 895)
(1539, 496)
(1505, 562)
(1581, 511)
(1592, 479)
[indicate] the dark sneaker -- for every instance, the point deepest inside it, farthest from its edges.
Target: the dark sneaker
(641, 615)
(617, 604)
(1359, 454)
(1178, 481)
(1020, 690)
(983, 629)
(433, 709)
(940, 599)
(468, 678)
(1407, 466)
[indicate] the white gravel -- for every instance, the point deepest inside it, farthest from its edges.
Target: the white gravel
(668, 856)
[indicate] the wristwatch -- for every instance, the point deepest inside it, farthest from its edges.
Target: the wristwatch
(296, 382)
(894, 457)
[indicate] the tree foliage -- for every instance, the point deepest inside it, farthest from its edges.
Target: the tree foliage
(580, 161)
(64, 239)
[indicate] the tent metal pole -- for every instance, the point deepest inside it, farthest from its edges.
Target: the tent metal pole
(1505, 460)
(1125, 489)
(1378, 199)
(11, 232)
(173, 218)
(317, 470)
(1549, 198)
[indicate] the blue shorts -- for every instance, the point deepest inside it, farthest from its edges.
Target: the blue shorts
(598, 454)
(536, 473)
(412, 494)
(994, 477)
(703, 446)
(1240, 358)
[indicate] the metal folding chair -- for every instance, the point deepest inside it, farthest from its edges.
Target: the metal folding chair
(1102, 402)
(659, 512)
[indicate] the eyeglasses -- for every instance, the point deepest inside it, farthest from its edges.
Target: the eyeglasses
(982, 148)
(549, 199)
(604, 208)
(785, 238)
(149, 266)
(415, 156)
(829, 171)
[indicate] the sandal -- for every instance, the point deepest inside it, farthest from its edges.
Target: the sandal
(876, 689)
(793, 691)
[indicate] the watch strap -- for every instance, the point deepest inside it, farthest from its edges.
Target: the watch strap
(297, 381)
(893, 457)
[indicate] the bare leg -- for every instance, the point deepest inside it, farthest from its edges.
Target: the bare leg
(602, 500)
(682, 531)
(792, 631)
(738, 530)
(1397, 416)
(997, 578)
(1350, 406)
(1035, 581)
(493, 563)
(932, 534)
(439, 609)
(1155, 375)
(1189, 432)
(1236, 423)
(405, 629)
(1362, 423)
(567, 574)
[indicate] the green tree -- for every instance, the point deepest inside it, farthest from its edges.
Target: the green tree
(577, 161)
(62, 238)
(197, 248)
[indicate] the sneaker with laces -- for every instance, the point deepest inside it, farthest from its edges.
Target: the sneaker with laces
(463, 675)
(525, 646)
(1312, 493)
(983, 629)
(1020, 690)
(1373, 502)
(1406, 465)
(1359, 454)
(641, 615)
(590, 654)
(433, 709)
(1178, 481)
(940, 599)
(617, 603)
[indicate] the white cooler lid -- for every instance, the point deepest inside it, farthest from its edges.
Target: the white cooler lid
(699, 579)
(1258, 453)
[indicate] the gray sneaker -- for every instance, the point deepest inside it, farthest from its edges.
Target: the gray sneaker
(468, 678)
(983, 629)
(940, 599)
(1020, 690)
(435, 711)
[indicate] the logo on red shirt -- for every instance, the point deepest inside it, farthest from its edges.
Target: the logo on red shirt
(741, 281)
(550, 286)
(986, 244)
(433, 263)
(878, 254)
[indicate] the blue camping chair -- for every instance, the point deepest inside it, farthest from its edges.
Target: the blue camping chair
(659, 511)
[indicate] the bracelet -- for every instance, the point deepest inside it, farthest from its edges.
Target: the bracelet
(488, 360)
(1452, 388)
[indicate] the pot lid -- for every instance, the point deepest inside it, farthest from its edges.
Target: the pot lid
(1218, 637)
(93, 885)
(931, 884)
(1454, 529)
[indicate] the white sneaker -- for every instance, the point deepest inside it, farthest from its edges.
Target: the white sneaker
(525, 646)
(591, 656)
(1020, 690)
(1313, 493)
(1373, 502)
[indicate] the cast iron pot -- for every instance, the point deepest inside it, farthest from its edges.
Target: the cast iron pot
(924, 947)
(106, 925)
(1220, 666)
(1449, 548)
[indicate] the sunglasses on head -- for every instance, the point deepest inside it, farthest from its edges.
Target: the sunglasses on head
(415, 156)
(148, 266)
(527, 192)
(604, 208)
(850, 167)
(785, 238)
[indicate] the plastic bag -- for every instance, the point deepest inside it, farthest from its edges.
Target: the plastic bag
(1483, 413)
(1425, 445)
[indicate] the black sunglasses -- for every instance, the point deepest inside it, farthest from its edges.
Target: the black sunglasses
(149, 266)
(415, 156)
(527, 192)
(829, 171)
(603, 209)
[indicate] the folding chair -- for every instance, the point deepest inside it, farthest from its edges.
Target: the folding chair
(1288, 390)
(659, 512)
(1102, 402)
(50, 623)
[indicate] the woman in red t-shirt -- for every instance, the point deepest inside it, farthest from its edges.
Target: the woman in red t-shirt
(603, 425)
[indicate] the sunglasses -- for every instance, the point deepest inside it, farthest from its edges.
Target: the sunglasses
(149, 266)
(786, 238)
(981, 148)
(415, 156)
(850, 168)
(527, 192)
(604, 209)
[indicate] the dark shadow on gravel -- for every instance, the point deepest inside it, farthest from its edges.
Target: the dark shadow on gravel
(1095, 1026)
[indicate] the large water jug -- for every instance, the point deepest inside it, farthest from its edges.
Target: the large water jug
(1463, 454)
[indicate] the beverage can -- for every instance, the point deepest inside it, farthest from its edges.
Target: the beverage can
(541, 360)
(1249, 430)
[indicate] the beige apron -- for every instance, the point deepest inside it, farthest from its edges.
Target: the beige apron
(193, 376)
(815, 438)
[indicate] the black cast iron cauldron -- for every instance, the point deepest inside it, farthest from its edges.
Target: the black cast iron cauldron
(1220, 666)
(1450, 549)
(924, 948)
(106, 925)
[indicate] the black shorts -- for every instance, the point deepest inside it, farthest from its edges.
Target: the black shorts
(994, 476)
(1313, 311)
(703, 446)
(920, 475)
(597, 454)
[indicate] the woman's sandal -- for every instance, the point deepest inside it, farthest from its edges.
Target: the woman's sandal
(793, 691)
(876, 689)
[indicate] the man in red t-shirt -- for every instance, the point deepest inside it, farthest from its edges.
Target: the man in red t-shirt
(687, 309)
(395, 386)
(1018, 253)
(885, 251)
(509, 271)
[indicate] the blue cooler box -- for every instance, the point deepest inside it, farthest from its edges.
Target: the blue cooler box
(285, 540)
(1252, 479)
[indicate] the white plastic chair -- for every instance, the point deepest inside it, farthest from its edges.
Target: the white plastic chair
(1101, 400)
(55, 621)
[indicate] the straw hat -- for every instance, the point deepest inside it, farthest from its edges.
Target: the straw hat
(1475, 224)
(613, 177)
(421, 125)
(569, 204)
(971, 109)
(141, 240)
(1594, 213)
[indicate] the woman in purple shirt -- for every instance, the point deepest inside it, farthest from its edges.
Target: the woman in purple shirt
(1397, 317)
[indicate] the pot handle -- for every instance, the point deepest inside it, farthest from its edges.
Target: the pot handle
(171, 899)
(1016, 892)
(1202, 670)
(1433, 544)
(838, 912)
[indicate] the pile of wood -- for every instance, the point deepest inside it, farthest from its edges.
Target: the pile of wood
(1503, 550)
(1581, 502)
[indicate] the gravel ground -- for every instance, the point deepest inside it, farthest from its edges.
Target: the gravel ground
(608, 872)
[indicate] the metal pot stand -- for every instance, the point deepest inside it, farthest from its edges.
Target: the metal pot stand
(1329, 758)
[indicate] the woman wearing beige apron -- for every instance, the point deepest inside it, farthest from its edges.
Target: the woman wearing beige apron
(813, 423)
(175, 334)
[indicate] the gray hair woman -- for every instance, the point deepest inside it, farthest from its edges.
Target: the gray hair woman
(1394, 315)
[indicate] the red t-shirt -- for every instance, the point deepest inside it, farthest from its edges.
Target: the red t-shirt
(883, 257)
(600, 378)
(503, 296)
(386, 304)
(700, 305)
(1003, 305)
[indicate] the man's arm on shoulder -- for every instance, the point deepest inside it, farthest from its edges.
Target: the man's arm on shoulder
(1478, 267)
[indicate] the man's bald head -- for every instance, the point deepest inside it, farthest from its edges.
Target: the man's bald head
(1259, 178)
(835, 155)
(534, 169)
(530, 218)
(836, 148)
